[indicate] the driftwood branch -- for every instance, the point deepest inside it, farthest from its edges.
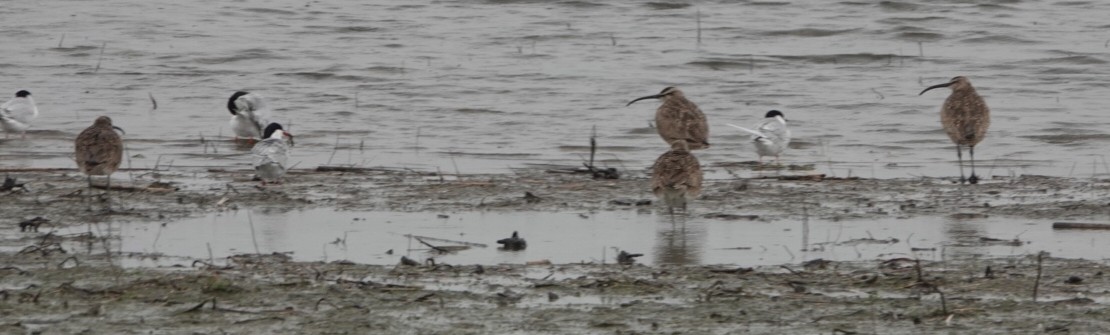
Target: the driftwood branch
(471, 244)
(808, 177)
(356, 169)
(437, 249)
(1079, 225)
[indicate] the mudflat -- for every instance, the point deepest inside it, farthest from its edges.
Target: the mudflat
(55, 281)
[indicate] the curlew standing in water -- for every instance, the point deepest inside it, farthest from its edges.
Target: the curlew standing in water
(249, 115)
(965, 118)
(98, 151)
(17, 113)
(271, 154)
(676, 176)
(771, 137)
(679, 118)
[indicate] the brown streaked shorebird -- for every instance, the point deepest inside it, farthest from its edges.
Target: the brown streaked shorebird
(98, 150)
(679, 118)
(676, 176)
(965, 118)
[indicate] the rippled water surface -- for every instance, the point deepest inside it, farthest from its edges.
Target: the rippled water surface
(383, 237)
(487, 86)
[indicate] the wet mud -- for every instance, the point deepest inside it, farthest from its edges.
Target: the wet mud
(57, 281)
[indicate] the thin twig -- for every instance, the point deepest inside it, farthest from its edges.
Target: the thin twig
(1037, 282)
(102, 46)
(253, 239)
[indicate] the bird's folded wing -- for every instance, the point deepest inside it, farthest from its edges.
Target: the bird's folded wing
(270, 150)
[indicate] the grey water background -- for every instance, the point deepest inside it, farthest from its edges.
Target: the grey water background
(485, 86)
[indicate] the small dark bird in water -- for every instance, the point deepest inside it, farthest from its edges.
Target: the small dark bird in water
(625, 258)
(513, 243)
(98, 150)
(32, 224)
(679, 118)
(965, 117)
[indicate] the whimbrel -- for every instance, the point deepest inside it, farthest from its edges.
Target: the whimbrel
(249, 115)
(271, 154)
(676, 176)
(679, 118)
(98, 151)
(771, 137)
(17, 113)
(965, 118)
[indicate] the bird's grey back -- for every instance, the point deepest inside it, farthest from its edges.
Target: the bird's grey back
(270, 150)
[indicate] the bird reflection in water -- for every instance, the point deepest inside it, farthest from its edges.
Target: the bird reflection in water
(678, 243)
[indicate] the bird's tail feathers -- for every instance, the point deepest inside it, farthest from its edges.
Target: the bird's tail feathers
(753, 132)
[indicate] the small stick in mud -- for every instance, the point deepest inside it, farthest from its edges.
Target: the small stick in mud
(917, 267)
(152, 101)
(437, 249)
(102, 46)
(253, 238)
(469, 244)
(698, 18)
(199, 306)
(1079, 225)
(598, 173)
(76, 263)
(1037, 282)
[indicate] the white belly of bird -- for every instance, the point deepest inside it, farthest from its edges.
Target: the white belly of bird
(13, 126)
(766, 147)
(243, 127)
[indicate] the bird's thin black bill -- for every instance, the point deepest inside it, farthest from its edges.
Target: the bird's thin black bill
(642, 98)
(935, 86)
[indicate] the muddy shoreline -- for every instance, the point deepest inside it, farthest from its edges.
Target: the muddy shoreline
(52, 287)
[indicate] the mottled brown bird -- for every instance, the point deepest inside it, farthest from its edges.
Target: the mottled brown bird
(679, 118)
(98, 150)
(965, 118)
(676, 176)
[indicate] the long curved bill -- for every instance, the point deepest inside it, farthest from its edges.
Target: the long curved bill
(656, 96)
(120, 130)
(935, 86)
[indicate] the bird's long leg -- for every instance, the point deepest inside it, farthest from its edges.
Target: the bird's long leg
(971, 152)
(960, 160)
